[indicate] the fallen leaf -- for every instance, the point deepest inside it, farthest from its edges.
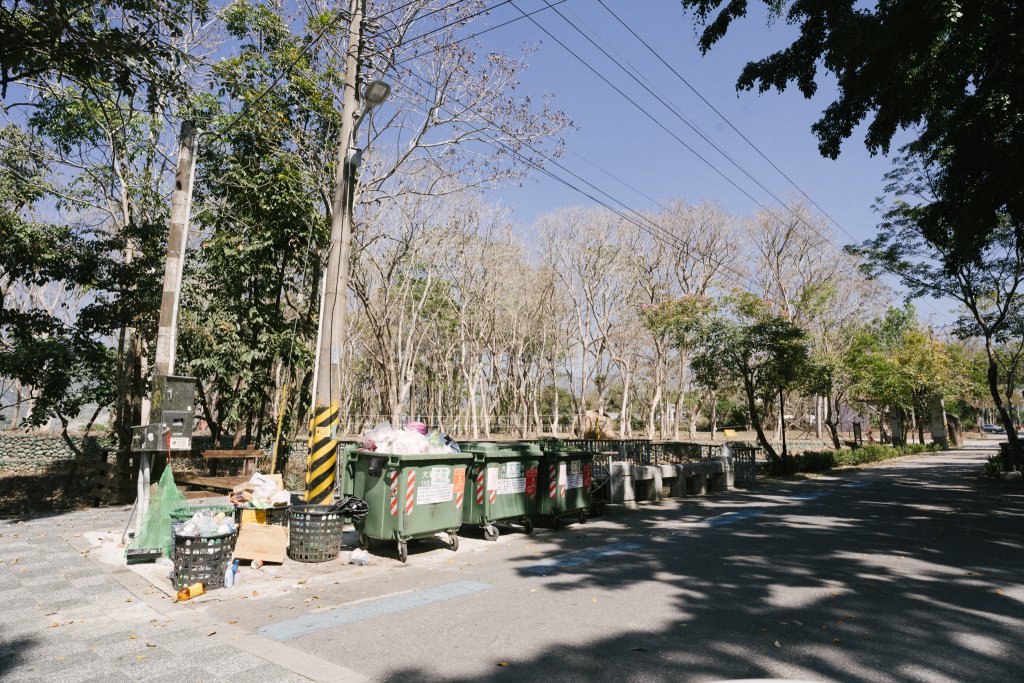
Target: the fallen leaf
(764, 630)
(683, 625)
(638, 649)
(140, 656)
(999, 591)
(777, 644)
(255, 594)
(798, 623)
(836, 641)
(56, 624)
(533, 590)
(150, 644)
(60, 659)
(594, 599)
(211, 633)
(502, 663)
(132, 637)
(233, 621)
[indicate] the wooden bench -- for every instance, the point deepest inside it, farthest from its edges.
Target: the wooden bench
(248, 457)
(215, 483)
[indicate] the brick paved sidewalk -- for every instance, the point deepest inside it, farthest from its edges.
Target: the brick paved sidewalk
(65, 618)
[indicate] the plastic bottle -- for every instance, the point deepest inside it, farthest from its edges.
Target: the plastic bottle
(195, 590)
(229, 576)
(236, 578)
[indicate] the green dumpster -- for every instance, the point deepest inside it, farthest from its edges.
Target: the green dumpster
(409, 496)
(347, 470)
(501, 486)
(565, 481)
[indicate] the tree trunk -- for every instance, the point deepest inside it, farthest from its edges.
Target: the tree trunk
(832, 420)
(755, 421)
(1016, 457)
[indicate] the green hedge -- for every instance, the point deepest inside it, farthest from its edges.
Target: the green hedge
(821, 461)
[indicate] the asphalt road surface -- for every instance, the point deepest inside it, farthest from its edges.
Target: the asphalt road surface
(911, 571)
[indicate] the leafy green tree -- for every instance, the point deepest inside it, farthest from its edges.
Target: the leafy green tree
(989, 285)
(250, 300)
(762, 353)
(131, 44)
(947, 71)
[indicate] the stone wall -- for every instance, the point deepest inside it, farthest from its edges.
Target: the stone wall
(35, 452)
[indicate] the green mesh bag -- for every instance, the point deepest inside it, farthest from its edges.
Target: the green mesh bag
(156, 527)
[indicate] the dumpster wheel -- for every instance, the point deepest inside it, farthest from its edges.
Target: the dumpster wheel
(403, 551)
(528, 526)
(490, 533)
(556, 522)
(364, 542)
(584, 516)
(453, 539)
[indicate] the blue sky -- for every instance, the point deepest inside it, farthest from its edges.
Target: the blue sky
(614, 136)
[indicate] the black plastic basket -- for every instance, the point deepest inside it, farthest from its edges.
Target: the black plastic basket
(185, 512)
(314, 533)
(202, 559)
(276, 516)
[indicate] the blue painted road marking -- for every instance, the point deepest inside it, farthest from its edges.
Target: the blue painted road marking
(730, 517)
(810, 496)
(346, 614)
(552, 565)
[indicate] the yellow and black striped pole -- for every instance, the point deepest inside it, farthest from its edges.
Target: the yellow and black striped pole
(323, 454)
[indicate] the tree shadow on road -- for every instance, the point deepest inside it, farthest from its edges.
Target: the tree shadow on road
(917, 580)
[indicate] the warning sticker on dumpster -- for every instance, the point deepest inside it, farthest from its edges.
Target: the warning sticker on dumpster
(516, 485)
(460, 480)
(492, 478)
(575, 478)
(437, 488)
(531, 481)
(513, 470)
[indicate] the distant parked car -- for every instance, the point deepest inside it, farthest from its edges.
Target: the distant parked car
(993, 429)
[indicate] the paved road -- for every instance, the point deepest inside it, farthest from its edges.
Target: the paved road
(909, 571)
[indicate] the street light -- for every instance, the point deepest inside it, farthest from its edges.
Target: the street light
(375, 93)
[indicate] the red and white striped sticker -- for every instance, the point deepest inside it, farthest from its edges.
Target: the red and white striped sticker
(480, 485)
(394, 493)
(553, 482)
(410, 492)
(492, 483)
(562, 475)
(459, 486)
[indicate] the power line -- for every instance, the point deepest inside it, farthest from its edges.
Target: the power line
(673, 109)
(472, 35)
(722, 116)
(654, 229)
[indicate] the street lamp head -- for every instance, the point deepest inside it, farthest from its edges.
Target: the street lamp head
(375, 93)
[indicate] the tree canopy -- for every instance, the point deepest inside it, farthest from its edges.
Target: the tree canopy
(949, 72)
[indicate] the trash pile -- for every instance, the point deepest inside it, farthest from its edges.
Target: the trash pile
(206, 523)
(261, 492)
(413, 439)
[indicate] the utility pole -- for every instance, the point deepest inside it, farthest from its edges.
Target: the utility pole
(323, 439)
(177, 242)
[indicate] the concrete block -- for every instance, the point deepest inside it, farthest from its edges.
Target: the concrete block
(672, 483)
(697, 484)
(728, 472)
(647, 483)
(623, 492)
